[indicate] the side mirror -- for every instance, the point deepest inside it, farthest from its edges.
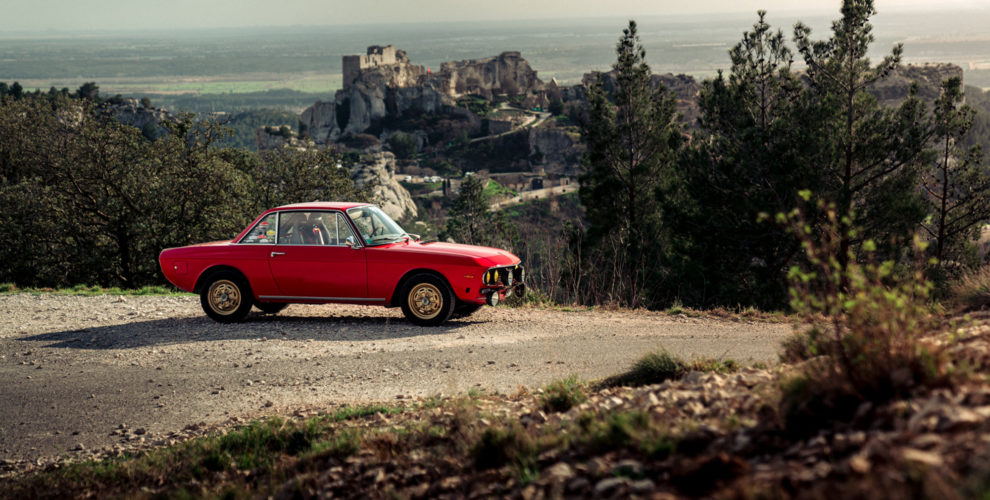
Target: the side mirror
(415, 237)
(351, 242)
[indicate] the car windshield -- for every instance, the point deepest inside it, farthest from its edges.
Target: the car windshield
(375, 226)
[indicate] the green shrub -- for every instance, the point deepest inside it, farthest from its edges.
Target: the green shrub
(500, 446)
(653, 368)
(562, 395)
(402, 145)
(867, 323)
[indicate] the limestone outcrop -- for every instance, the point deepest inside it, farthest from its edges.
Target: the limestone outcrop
(507, 73)
(554, 149)
(320, 121)
(377, 171)
(147, 119)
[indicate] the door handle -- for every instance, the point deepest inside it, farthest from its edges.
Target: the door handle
(277, 253)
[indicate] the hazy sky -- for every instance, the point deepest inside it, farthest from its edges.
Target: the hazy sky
(84, 15)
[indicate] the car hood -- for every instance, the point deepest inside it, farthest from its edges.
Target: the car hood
(487, 255)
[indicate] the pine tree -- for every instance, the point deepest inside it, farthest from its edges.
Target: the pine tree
(957, 184)
(749, 157)
(633, 139)
(869, 153)
(471, 221)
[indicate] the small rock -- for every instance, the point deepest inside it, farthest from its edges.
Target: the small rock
(859, 464)
(923, 457)
(642, 486)
(628, 468)
(560, 471)
(578, 484)
(597, 466)
(607, 485)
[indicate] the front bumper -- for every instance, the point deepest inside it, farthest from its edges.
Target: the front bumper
(502, 282)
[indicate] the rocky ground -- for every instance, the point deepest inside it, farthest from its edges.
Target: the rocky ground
(87, 376)
(709, 434)
(727, 442)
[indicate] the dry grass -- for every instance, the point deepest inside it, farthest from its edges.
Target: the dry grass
(972, 291)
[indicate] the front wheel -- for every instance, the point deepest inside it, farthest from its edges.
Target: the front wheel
(226, 297)
(427, 300)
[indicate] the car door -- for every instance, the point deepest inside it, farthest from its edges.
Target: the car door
(313, 261)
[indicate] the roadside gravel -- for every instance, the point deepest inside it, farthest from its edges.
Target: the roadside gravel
(79, 374)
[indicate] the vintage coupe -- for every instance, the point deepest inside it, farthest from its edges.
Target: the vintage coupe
(351, 253)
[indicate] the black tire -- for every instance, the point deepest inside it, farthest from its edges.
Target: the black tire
(271, 307)
(226, 297)
(427, 300)
(464, 310)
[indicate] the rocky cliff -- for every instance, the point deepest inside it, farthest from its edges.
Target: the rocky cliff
(929, 77)
(508, 73)
(378, 171)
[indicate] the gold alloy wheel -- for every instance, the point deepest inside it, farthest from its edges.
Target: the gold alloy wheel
(425, 301)
(224, 297)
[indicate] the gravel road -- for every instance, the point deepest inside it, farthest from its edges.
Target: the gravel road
(74, 369)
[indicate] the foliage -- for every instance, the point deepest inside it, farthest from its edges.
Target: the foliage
(95, 201)
(957, 183)
(868, 323)
(869, 154)
(632, 140)
(471, 221)
(244, 124)
(288, 175)
(750, 156)
(402, 145)
(562, 395)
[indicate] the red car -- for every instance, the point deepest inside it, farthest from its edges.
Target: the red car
(349, 253)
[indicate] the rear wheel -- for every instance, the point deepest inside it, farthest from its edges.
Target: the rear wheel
(427, 300)
(271, 307)
(226, 297)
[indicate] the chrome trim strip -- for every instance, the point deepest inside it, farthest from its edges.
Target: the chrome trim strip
(349, 299)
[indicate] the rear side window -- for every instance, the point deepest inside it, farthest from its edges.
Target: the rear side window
(263, 232)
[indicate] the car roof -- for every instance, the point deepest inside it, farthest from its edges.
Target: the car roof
(321, 205)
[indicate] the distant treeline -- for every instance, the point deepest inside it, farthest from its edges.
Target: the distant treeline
(281, 99)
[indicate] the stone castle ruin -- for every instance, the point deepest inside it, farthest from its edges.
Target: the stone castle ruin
(377, 56)
(383, 84)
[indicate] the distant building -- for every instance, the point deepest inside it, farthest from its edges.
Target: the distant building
(377, 56)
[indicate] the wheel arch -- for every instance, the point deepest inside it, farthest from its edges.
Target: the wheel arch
(405, 279)
(210, 271)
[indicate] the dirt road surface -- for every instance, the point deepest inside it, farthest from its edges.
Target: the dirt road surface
(74, 369)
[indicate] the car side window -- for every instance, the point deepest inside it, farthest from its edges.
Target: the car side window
(344, 231)
(263, 232)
